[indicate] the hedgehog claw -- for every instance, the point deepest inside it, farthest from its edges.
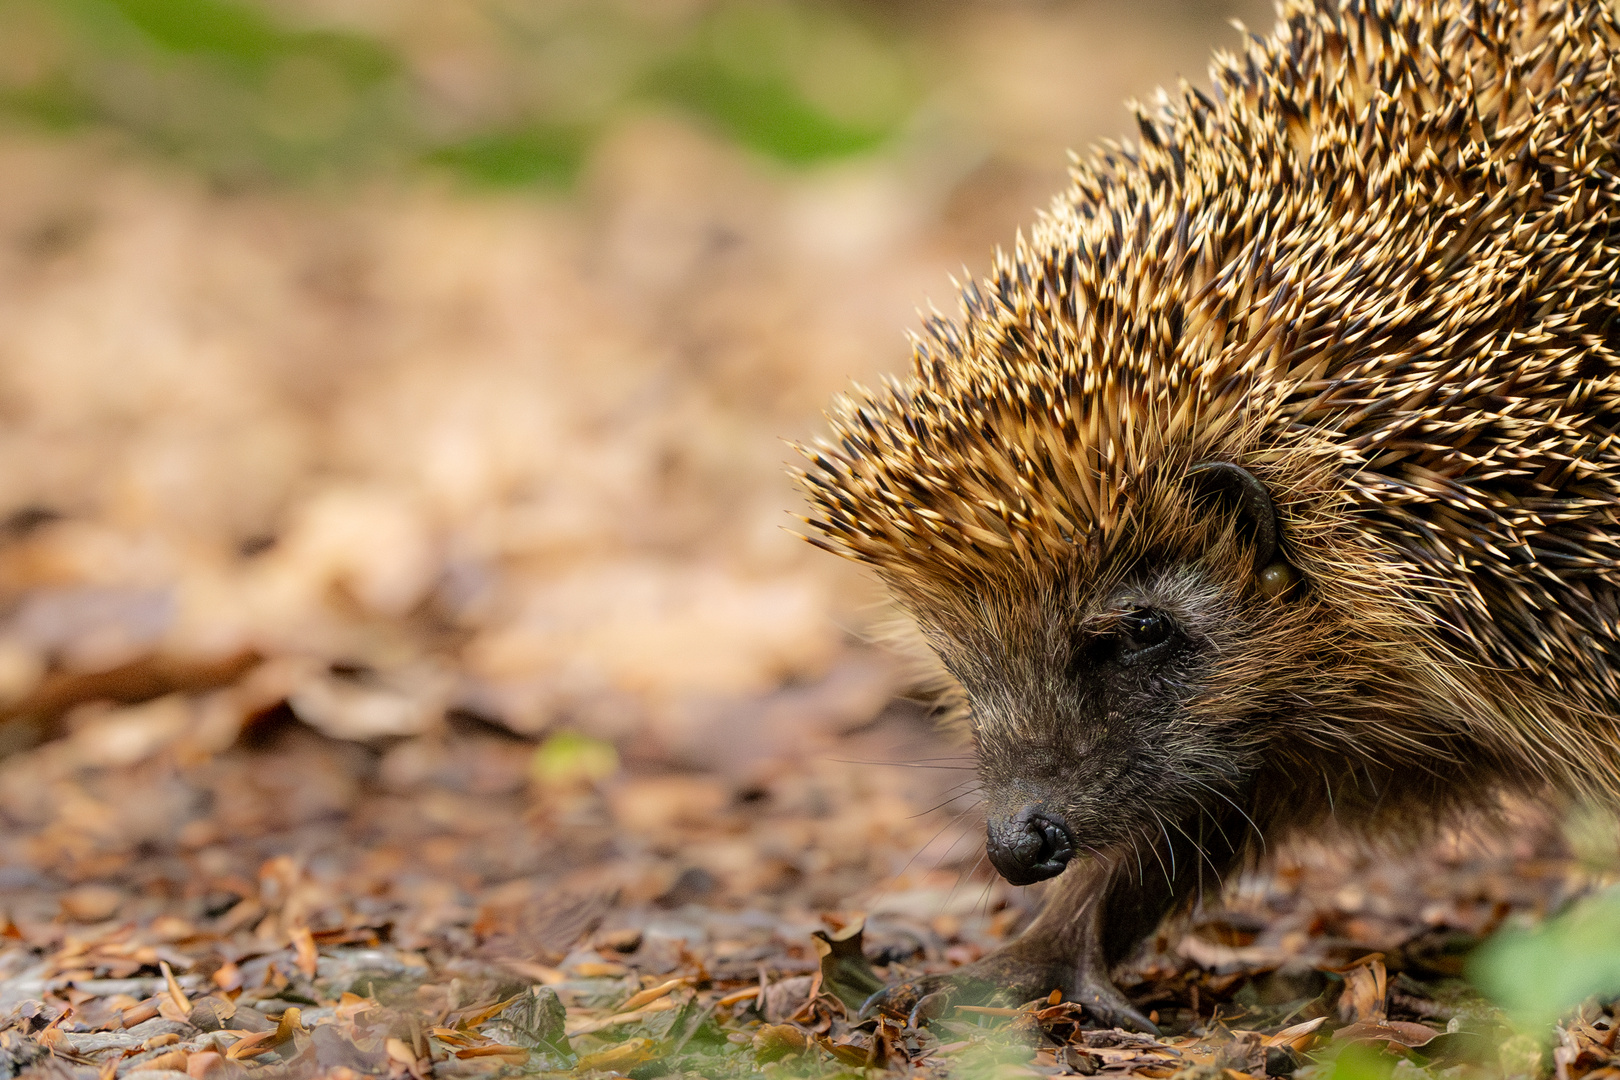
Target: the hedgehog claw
(1108, 1007)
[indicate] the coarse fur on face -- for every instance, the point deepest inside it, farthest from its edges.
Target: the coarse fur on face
(1376, 271)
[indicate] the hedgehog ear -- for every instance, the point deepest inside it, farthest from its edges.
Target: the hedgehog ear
(1238, 492)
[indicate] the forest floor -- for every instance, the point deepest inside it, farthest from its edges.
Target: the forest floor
(469, 902)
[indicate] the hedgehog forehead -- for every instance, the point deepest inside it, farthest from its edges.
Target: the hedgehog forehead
(1036, 426)
(949, 485)
(1048, 607)
(1039, 606)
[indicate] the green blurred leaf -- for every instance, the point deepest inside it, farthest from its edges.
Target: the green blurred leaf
(1537, 975)
(767, 115)
(54, 103)
(569, 758)
(533, 155)
(204, 26)
(239, 89)
(242, 34)
(219, 83)
(799, 84)
(1362, 1061)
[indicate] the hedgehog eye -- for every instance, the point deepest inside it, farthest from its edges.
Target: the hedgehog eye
(1143, 629)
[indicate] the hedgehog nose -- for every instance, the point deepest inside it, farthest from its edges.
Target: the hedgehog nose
(1033, 845)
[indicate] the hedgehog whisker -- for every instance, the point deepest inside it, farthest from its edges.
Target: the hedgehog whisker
(951, 822)
(1231, 802)
(1169, 875)
(957, 791)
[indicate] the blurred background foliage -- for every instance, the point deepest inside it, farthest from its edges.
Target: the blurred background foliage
(245, 90)
(538, 285)
(1539, 973)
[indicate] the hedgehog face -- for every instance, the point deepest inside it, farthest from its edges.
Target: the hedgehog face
(1087, 733)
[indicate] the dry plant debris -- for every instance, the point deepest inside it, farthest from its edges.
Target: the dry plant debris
(298, 906)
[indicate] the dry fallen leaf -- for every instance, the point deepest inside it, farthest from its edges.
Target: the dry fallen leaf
(198, 1064)
(1297, 1037)
(174, 1060)
(776, 1041)
(249, 1045)
(1365, 992)
(304, 945)
(651, 994)
(175, 1005)
(1399, 1032)
(401, 1052)
(512, 1055)
(592, 1026)
(627, 1055)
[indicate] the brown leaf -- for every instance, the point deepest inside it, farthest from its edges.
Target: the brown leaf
(850, 1050)
(247, 1046)
(174, 1059)
(292, 1023)
(228, 977)
(542, 928)
(783, 998)
(304, 945)
(400, 1051)
(776, 1041)
(197, 1065)
(651, 994)
(1400, 1032)
(621, 1058)
(212, 1012)
(592, 1026)
(176, 1006)
(141, 1013)
(515, 1055)
(91, 903)
(845, 971)
(1244, 1054)
(1366, 987)
(1298, 1037)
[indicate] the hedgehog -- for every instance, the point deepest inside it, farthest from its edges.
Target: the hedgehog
(1270, 483)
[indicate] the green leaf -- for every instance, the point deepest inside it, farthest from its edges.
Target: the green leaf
(570, 758)
(243, 34)
(1537, 975)
(762, 114)
(533, 155)
(797, 83)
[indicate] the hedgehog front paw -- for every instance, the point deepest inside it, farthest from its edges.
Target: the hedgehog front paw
(1007, 979)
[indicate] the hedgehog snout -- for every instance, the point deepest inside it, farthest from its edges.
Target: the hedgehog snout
(1032, 845)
